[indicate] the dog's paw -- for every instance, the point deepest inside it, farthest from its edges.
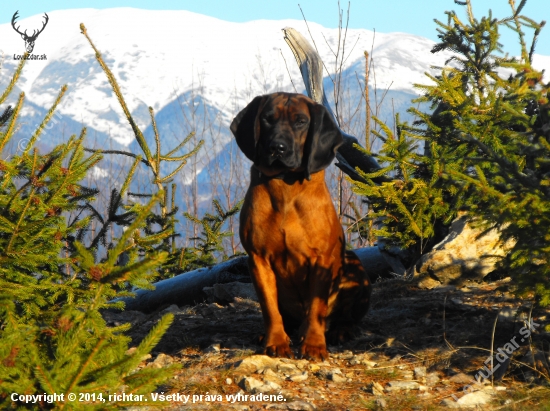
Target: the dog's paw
(314, 352)
(282, 350)
(278, 347)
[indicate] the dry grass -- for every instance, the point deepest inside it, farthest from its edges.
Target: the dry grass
(448, 331)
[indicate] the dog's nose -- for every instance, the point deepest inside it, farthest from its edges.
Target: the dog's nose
(277, 148)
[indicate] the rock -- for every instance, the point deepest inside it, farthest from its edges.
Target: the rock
(346, 355)
(269, 386)
(301, 364)
(271, 375)
(213, 310)
(131, 351)
(381, 402)
(287, 368)
(213, 348)
(257, 363)
(314, 367)
(375, 388)
(174, 309)
(277, 381)
(324, 372)
(337, 377)
(300, 406)
(250, 384)
(402, 385)
(356, 360)
(462, 378)
(226, 293)
(228, 381)
(471, 400)
(461, 252)
(161, 361)
(334, 375)
(432, 379)
(253, 385)
(428, 283)
(419, 372)
(300, 377)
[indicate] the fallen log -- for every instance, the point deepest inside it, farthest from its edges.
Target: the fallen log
(187, 288)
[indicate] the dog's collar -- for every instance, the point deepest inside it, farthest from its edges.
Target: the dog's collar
(289, 177)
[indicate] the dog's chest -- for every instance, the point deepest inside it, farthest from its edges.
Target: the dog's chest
(289, 227)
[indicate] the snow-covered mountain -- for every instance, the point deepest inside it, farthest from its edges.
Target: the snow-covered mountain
(196, 71)
(160, 55)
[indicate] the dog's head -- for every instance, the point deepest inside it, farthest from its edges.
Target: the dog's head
(284, 132)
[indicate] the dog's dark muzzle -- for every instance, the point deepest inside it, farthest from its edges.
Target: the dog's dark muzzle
(283, 152)
(278, 149)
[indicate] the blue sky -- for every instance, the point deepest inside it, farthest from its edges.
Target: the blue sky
(410, 16)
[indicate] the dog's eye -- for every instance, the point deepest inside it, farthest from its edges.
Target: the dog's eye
(268, 119)
(301, 121)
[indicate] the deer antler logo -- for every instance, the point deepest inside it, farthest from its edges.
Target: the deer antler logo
(29, 40)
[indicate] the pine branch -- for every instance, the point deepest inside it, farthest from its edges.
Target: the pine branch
(125, 153)
(84, 366)
(112, 81)
(121, 244)
(14, 79)
(156, 168)
(11, 125)
(180, 145)
(46, 120)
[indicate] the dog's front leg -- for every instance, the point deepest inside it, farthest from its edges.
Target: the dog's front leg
(276, 340)
(314, 343)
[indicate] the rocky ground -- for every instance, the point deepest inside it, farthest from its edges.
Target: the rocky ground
(416, 350)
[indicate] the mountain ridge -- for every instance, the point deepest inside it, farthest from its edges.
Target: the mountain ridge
(182, 63)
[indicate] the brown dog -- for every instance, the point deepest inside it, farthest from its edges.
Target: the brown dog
(301, 272)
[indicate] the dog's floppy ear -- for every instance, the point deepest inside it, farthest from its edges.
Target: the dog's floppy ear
(323, 139)
(246, 127)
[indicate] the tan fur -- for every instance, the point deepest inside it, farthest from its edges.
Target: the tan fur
(290, 229)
